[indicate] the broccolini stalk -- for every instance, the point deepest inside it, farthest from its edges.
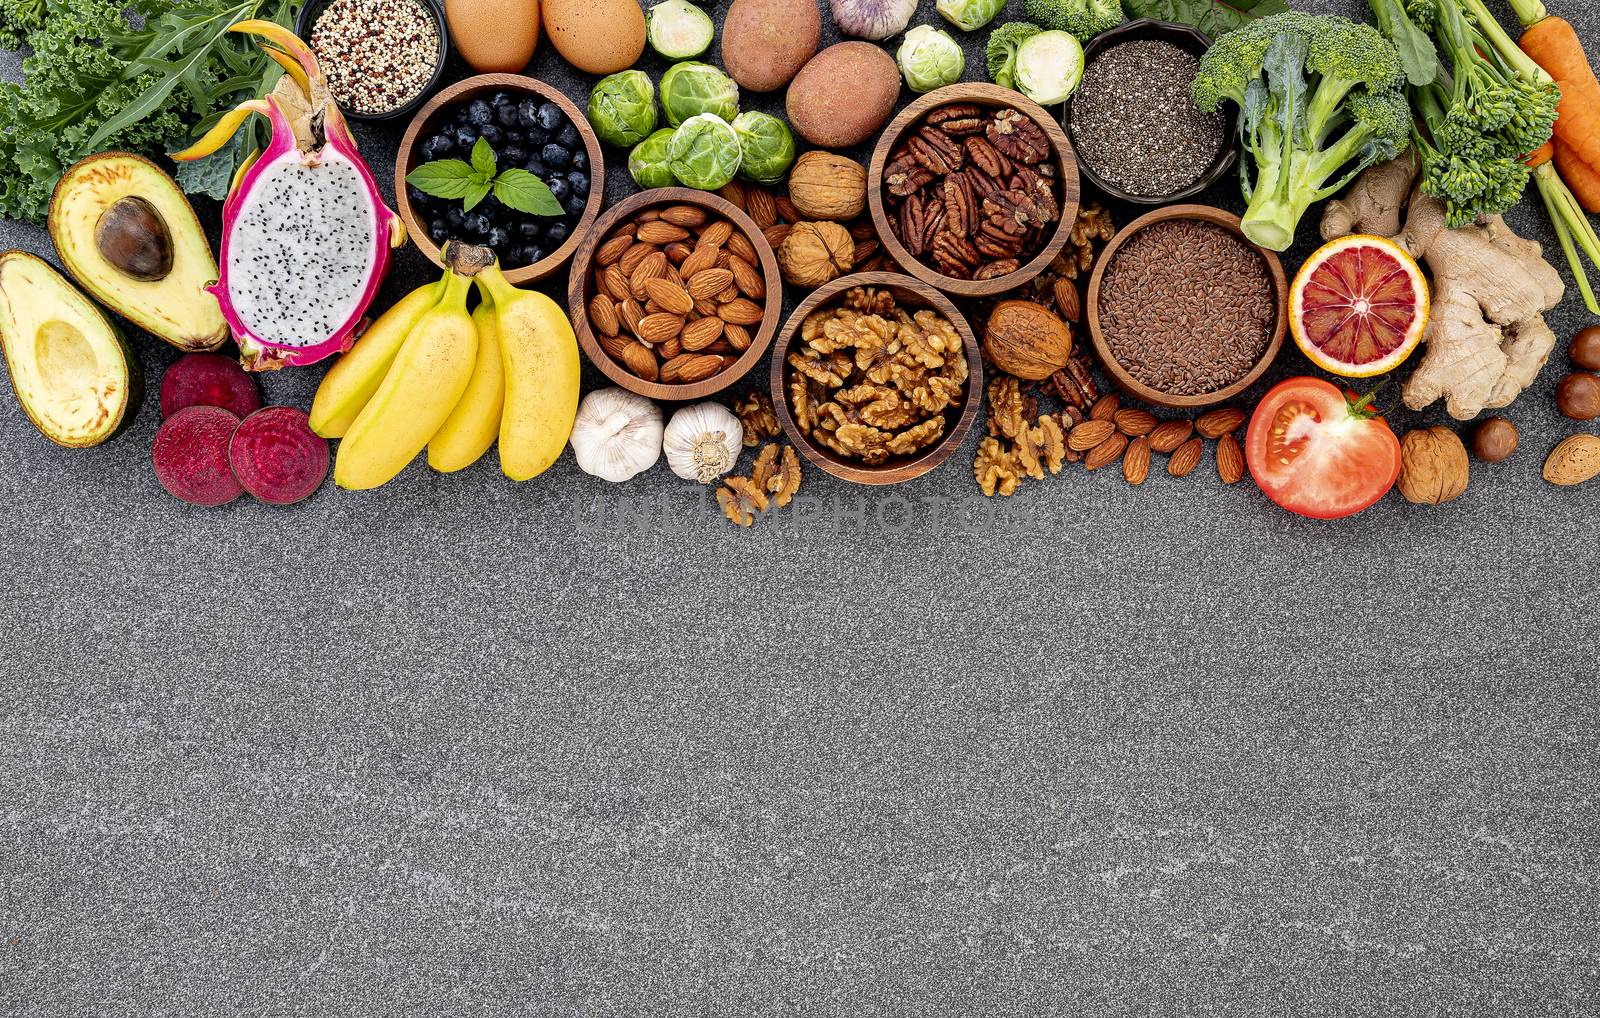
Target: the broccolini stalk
(1573, 228)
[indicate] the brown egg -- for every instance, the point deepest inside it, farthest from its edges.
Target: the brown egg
(598, 36)
(494, 35)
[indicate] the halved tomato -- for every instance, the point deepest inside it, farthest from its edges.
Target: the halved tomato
(1320, 452)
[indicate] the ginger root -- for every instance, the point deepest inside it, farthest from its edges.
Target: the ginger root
(1486, 338)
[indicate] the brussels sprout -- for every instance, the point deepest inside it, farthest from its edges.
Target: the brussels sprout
(622, 108)
(648, 161)
(679, 30)
(969, 14)
(929, 59)
(767, 145)
(704, 152)
(1049, 67)
(692, 88)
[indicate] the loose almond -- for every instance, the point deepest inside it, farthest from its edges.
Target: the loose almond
(1219, 422)
(700, 259)
(654, 266)
(747, 279)
(635, 254)
(1106, 452)
(1136, 461)
(760, 207)
(659, 328)
(669, 296)
(629, 312)
(1186, 457)
(737, 336)
(1067, 302)
(1134, 422)
(671, 348)
(614, 345)
(659, 232)
(1105, 408)
(615, 282)
(1230, 459)
(776, 235)
(1168, 435)
(1575, 460)
(733, 193)
(787, 212)
(676, 253)
(740, 246)
(716, 234)
(690, 367)
(1090, 434)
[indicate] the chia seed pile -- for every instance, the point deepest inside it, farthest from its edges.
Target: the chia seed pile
(1135, 123)
(378, 55)
(1187, 307)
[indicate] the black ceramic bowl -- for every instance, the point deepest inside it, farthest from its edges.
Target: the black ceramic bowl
(312, 10)
(1184, 37)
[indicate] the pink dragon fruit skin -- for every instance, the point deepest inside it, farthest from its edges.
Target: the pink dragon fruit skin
(306, 236)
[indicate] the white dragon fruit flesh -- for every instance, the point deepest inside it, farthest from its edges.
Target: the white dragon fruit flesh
(305, 234)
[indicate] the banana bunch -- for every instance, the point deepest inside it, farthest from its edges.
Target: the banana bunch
(428, 374)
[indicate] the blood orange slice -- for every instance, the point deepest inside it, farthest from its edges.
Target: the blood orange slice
(1359, 306)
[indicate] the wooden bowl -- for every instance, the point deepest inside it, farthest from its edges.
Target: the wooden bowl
(1187, 38)
(982, 94)
(1126, 381)
(580, 289)
(908, 292)
(465, 91)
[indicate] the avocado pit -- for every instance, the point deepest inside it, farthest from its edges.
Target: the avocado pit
(133, 237)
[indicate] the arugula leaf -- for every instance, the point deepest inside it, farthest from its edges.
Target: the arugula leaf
(521, 190)
(1213, 17)
(444, 178)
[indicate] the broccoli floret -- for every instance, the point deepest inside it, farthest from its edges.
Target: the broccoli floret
(1319, 99)
(1083, 18)
(1002, 51)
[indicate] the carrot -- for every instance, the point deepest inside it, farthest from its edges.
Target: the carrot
(1578, 118)
(1541, 155)
(1583, 179)
(1554, 45)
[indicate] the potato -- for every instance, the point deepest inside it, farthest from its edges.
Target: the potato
(843, 95)
(764, 42)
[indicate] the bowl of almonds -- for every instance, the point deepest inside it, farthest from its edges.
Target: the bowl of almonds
(973, 189)
(668, 294)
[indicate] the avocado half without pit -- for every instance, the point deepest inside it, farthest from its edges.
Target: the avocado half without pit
(124, 230)
(72, 370)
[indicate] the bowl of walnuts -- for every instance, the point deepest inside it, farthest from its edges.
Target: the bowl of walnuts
(876, 378)
(669, 294)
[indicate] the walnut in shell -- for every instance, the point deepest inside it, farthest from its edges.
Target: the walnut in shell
(816, 253)
(823, 185)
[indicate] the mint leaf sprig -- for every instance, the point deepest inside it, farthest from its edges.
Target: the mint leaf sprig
(472, 182)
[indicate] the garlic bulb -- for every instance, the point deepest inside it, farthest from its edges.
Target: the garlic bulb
(703, 442)
(873, 19)
(616, 434)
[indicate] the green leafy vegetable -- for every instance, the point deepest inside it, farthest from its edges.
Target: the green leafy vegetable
(1213, 17)
(1083, 19)
(472, 182)
(95, 81)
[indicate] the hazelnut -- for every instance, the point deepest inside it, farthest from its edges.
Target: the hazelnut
(1585, 349)
(1495, 440)
(1578, 396)
(823, 185)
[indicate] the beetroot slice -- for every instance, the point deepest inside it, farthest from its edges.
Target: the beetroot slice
(191, 456)
(277, 457)
(209, 379)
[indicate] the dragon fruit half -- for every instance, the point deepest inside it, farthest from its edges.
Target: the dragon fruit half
(305, 233)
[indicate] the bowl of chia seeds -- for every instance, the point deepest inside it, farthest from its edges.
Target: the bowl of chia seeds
(381, 57)
(1183, 310)
(1133, 122)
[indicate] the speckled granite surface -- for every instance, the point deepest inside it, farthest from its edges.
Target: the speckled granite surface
(462, 747)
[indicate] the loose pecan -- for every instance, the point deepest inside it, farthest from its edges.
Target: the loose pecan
(996, 269)
(961, 212)
(1018, 137)
(905, 176)
(958, 119)
(936, 151)
(987, 157)
(1012, 211)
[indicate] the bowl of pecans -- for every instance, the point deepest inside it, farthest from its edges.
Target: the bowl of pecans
(973, 189)
(668, 294)
(876, 378)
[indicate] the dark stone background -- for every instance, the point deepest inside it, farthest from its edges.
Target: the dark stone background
(462, 746)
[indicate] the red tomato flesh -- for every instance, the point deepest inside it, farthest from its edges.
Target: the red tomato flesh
(1314, 454)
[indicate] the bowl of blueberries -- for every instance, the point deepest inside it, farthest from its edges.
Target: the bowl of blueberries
(530, 126)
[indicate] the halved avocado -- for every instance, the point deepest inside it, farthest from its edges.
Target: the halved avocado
(126, 233)
(74, 373)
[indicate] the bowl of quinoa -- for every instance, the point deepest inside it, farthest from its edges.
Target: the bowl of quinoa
(381, 57)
